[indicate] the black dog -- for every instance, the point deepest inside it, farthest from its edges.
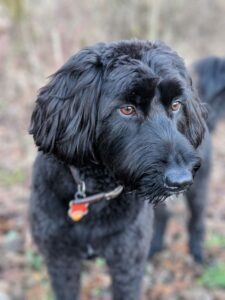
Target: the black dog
(209, 75)
(209, 78)
(124, 114)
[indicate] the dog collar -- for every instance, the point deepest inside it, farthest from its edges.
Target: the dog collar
(78, 207)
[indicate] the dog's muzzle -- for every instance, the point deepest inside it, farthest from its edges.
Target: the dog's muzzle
(177, 179)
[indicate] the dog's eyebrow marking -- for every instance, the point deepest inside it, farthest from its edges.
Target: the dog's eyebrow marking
(169, 90)
(144, 90)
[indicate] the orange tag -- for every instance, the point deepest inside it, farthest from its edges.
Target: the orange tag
(77, 211)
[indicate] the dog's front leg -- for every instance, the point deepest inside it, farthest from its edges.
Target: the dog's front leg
(126, 256)
(197, 200)
(161, 217)
(64, 273)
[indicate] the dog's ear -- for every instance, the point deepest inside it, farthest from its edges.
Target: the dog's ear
(194, 124)
(64, 119)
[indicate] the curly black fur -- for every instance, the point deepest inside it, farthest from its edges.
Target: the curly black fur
(210, 82)
(209, 79)
(78, 121)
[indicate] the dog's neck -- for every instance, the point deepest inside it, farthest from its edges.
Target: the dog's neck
(97, 178)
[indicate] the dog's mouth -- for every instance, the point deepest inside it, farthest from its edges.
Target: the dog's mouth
(159, 194)
(176, 193)
(174, 190)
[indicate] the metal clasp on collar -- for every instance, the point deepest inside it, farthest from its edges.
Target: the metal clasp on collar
(81, 191)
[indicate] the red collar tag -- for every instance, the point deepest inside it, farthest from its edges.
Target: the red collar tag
(77, 211)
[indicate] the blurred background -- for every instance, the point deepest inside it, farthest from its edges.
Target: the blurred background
(36, 37)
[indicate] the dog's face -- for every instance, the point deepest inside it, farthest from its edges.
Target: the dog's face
(129, 106)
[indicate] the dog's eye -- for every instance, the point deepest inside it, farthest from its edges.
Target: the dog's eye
(175, 106)
(128, 110)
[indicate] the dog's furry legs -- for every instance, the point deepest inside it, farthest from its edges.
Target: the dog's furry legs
(126, 273)
(197, 198)
(161, 216)
(126, 257)
(64, 273)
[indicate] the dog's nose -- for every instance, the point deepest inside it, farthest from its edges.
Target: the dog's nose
(178, 179)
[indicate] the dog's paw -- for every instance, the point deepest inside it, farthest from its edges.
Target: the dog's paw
(197, 253)
(198, 257)
(154, 250)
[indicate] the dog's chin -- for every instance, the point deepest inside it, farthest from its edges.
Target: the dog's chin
(159, 195)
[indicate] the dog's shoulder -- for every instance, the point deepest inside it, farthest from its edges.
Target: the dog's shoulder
(52, 175)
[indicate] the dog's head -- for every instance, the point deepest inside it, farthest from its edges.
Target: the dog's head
(129, 106)
(209, 74)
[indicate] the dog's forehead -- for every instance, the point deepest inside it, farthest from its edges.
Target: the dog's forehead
(170, 89)
(132, 80)
(157, 55)
(132, 68)
(135, 78)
